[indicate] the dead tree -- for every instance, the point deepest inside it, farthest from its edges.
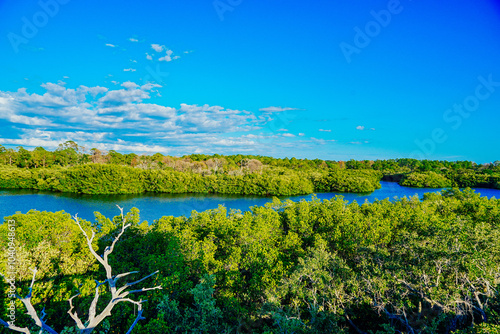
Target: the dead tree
(118, 294)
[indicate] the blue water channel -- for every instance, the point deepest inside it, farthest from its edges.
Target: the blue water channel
(153, 206)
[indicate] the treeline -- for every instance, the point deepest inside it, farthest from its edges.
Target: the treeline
(461, 179)
(407, 266)
(325, 175)
(115, 179)
(70, 154)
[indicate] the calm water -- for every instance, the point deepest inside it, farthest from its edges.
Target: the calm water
(154, 206)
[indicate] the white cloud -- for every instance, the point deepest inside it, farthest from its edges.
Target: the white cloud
(133, 39)
(168, 57)
(360, 127)
(129, 70)
(94, 91)
(214, 119)
(322, 141)
(148, 57)
(132, 94)
(111, 45)
(130, 85)
(165, 58)
(20, 119)
(31, 142)
(302, 134)
(121, 118)
(150, 86)
(324, 130)
(158, 47)
(282, 130)
(276, 109)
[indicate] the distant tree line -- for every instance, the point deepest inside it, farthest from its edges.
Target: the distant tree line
(70, 168)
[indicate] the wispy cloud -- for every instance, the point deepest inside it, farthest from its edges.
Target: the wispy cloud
(362, 128)
(111, 45)
(322, 141)
(324, 130)
(168, 57)
(133, 39)
(129, 70)
(158, 47)
(276, 109)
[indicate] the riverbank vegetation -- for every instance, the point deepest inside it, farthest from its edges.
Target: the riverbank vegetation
(408, 266)
(72, 169)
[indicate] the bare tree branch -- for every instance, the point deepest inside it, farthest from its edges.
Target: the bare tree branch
(14, 327)
(422, 295)
(117, 294)
(74, 315)
(89, 241)
(93, 305)
(39, 321)
(139, 317)
(133, 283)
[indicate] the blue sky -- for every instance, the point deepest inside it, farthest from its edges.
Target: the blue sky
(319, 79)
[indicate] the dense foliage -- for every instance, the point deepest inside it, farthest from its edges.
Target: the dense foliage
(71, 169)
(113, 179)
(409, 266)
(425, 180)
(337, 180)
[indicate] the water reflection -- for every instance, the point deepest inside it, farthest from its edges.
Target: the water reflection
(153, 206)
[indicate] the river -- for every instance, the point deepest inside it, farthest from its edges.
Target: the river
(153, 206)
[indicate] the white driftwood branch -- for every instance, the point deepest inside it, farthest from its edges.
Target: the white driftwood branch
(117, 294)
(39, 321)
